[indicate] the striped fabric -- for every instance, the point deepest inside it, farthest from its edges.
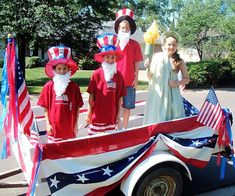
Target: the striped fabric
(96, 128)
(107, 39)
(125, 12)
(59, 52)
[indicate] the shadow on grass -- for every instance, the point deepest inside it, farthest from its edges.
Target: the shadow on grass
(82, 82)
(37, 82)
(43, 81)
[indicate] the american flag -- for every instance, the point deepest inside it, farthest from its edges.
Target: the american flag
(34, 136)
(195, 151)
(20, 102)
(211, 113)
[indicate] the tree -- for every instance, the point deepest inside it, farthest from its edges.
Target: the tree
(148, 10)
(39, 23)
(16, 18)
(201, 28)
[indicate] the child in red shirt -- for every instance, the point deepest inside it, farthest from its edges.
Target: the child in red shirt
(60, 97)
(129, 65)
(106, 87)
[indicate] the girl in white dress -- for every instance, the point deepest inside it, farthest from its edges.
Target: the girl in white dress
(164, 99)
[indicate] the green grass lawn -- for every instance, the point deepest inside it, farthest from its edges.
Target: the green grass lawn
(36, 79)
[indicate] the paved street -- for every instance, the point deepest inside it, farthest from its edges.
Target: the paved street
(203, 180)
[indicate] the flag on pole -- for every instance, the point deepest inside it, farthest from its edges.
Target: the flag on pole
(19, 110)
(211, 113)
(19, 102)
(4, 92)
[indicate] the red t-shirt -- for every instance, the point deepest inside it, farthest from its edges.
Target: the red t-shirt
(62, 110)
(106, 96)
(132, 54)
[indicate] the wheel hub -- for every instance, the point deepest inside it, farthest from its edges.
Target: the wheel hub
(162, 186)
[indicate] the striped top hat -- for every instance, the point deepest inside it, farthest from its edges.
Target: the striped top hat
(60, 55)
(108, 43)
(125, 14)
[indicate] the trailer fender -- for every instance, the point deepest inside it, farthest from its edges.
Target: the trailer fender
(156, 158)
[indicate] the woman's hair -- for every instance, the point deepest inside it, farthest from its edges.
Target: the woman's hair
(175, 56)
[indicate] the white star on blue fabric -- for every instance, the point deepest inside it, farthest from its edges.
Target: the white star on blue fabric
(174, 138)
(107, 171)
(82, 178)
(197, 143)
(130, 158)
(54, 182)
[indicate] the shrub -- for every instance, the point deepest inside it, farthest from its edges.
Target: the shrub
(1, 62)
(197, 74)
(231, 60)
(215, 73)
(33, 61)
(87, 63)
(231, 57)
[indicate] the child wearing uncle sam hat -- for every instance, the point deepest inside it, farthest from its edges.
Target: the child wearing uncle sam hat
(61, 97)
(129, 65)
(106, 87)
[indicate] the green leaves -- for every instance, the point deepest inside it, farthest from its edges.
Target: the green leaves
(202, 24)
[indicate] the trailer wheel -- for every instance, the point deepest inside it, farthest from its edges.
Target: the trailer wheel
(160, 182)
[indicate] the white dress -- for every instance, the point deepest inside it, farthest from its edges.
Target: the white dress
(163, 102)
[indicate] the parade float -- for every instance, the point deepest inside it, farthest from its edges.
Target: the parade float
(142, 160)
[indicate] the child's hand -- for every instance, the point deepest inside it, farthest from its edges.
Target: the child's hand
(118, 121)
(76, 129)
(146, 63)
(49, 129)
(88, 119)
(173, 83)
(135, 82)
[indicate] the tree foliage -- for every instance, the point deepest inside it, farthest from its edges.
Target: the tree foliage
(148, 10)
(204, 28)
(39, 23)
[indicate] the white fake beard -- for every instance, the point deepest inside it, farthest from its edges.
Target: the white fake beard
(123, 38)
(109, 70)
(61, 82)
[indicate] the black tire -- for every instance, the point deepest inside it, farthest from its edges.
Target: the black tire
(164, 181)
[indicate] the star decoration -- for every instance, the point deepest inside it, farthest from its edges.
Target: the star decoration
(107, 171)
(197, 143)
(82, 178)
(54, 182)
(130, 158)
(174, 138)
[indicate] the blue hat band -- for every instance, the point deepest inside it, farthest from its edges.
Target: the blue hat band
(108, 48)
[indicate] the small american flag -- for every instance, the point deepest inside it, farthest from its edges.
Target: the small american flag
(211, 113)
(34, 134)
